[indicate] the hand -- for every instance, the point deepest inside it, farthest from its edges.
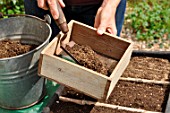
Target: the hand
(105, 17)
(51, 5)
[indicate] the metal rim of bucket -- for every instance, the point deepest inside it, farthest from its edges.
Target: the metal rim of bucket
(39, 46)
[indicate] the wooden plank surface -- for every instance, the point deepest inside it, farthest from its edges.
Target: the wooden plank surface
(49, 49)
(70, 74)
(64, 38)
(119, 69)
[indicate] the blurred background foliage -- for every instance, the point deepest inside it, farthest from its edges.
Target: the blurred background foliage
(12, 6)
(150, 19)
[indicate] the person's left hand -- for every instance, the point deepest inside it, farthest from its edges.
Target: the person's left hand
(105, 17)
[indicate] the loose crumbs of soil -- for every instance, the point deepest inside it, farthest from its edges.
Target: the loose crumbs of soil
(150, 97)
(87, 58)
(148, 68)
(68, 107)
(10, 48)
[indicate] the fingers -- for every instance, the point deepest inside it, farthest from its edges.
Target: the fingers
(104, 27)
(112, 30)
(101, 30)
(62, 4)
(98, 23)
(102, 24)
(97, 18)
(53, 8)
(51, 5)
(42, 4)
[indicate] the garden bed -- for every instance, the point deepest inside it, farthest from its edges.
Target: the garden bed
(148, 68)
(150, 97)
(132, 94)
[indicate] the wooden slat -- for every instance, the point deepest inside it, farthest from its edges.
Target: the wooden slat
(49, 49)
(40, 64)
(145, 81)
(105, 44)
(75, 76)
(64, 38)
(119, 69)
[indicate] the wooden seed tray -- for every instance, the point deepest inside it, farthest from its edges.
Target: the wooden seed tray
(78, 77)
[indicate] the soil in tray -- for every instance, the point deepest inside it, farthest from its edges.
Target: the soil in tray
(149, 97)
(88, 58)
(75, 108)
(10, 48)
(69, 107)
(148, 68)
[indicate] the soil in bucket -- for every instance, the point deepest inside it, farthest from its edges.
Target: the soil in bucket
(10, 48)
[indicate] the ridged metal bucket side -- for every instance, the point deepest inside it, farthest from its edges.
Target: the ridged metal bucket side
(21, 91)
(20, 86)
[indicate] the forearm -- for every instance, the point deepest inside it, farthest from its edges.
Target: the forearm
(112, 3)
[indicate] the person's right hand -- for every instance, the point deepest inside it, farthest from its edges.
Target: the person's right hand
(105, 17)
(52, 6)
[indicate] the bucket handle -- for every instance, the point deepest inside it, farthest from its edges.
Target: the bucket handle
(47, 18)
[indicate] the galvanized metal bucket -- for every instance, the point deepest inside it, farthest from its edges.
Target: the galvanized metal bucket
(20, 86)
